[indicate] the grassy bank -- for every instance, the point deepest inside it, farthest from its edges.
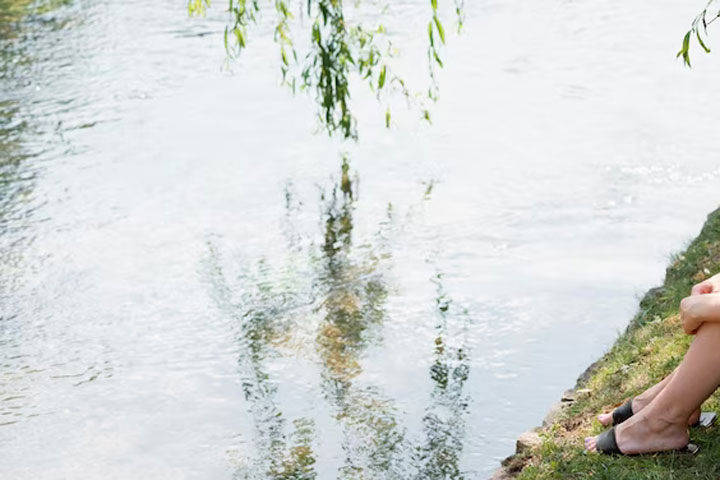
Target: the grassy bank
(651, 348)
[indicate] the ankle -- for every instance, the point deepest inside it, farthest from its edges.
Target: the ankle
(638, 403)
(668, 420)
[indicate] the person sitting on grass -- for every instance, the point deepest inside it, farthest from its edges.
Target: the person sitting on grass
(658, 419)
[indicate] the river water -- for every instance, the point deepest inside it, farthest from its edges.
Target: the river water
(190, 290)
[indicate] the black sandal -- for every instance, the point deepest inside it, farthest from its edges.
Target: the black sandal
(606, 443)
(706, 420)
(624, 411)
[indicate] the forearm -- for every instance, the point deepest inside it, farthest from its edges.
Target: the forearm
(699, 309)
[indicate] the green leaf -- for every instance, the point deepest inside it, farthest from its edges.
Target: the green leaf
(387, 118)
(440, 29)
(381, 80)
(240, 38)
(197, 7)
(316, 33)
(430, 34)
(686, 42)
(685, 50)
(702, 44)
(282, 7)
(434, 4)
(426, 116)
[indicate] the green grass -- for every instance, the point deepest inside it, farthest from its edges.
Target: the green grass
(651, 348)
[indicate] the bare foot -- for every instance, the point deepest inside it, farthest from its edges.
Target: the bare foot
(646, 432)
(606, 419)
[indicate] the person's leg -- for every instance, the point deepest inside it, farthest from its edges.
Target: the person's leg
(662, 424)
(642, 400)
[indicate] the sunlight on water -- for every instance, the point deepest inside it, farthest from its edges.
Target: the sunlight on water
(196, 286)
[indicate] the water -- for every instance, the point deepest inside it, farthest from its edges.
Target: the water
(190, 290)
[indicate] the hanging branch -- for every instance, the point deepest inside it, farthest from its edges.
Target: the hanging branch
(698, 29)
(338, 49)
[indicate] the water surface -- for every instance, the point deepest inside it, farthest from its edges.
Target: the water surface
(192, 288)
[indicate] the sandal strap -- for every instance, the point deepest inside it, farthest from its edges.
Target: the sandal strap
(622, 413)
(606, 442)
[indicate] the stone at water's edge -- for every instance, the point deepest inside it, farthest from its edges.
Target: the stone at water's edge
(527, 440)
(573, 394)
(569, 396)
(531, 439)
(555, 412)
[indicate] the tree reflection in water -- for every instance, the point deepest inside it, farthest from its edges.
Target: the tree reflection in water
(354, 293)
(345, 296)
(444, 421)
(260, 314)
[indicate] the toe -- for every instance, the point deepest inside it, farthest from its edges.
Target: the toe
(605, 419)
(590, 444)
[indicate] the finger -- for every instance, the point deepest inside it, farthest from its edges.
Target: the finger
(702, 288)
(694, 329)
(690, 329)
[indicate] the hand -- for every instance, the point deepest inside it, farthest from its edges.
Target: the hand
(711, 285)
(698, 309)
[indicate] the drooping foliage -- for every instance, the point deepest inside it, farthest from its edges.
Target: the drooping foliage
(698, 30)
(338, 46)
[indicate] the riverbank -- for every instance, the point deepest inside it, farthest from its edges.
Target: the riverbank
(651, 347)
